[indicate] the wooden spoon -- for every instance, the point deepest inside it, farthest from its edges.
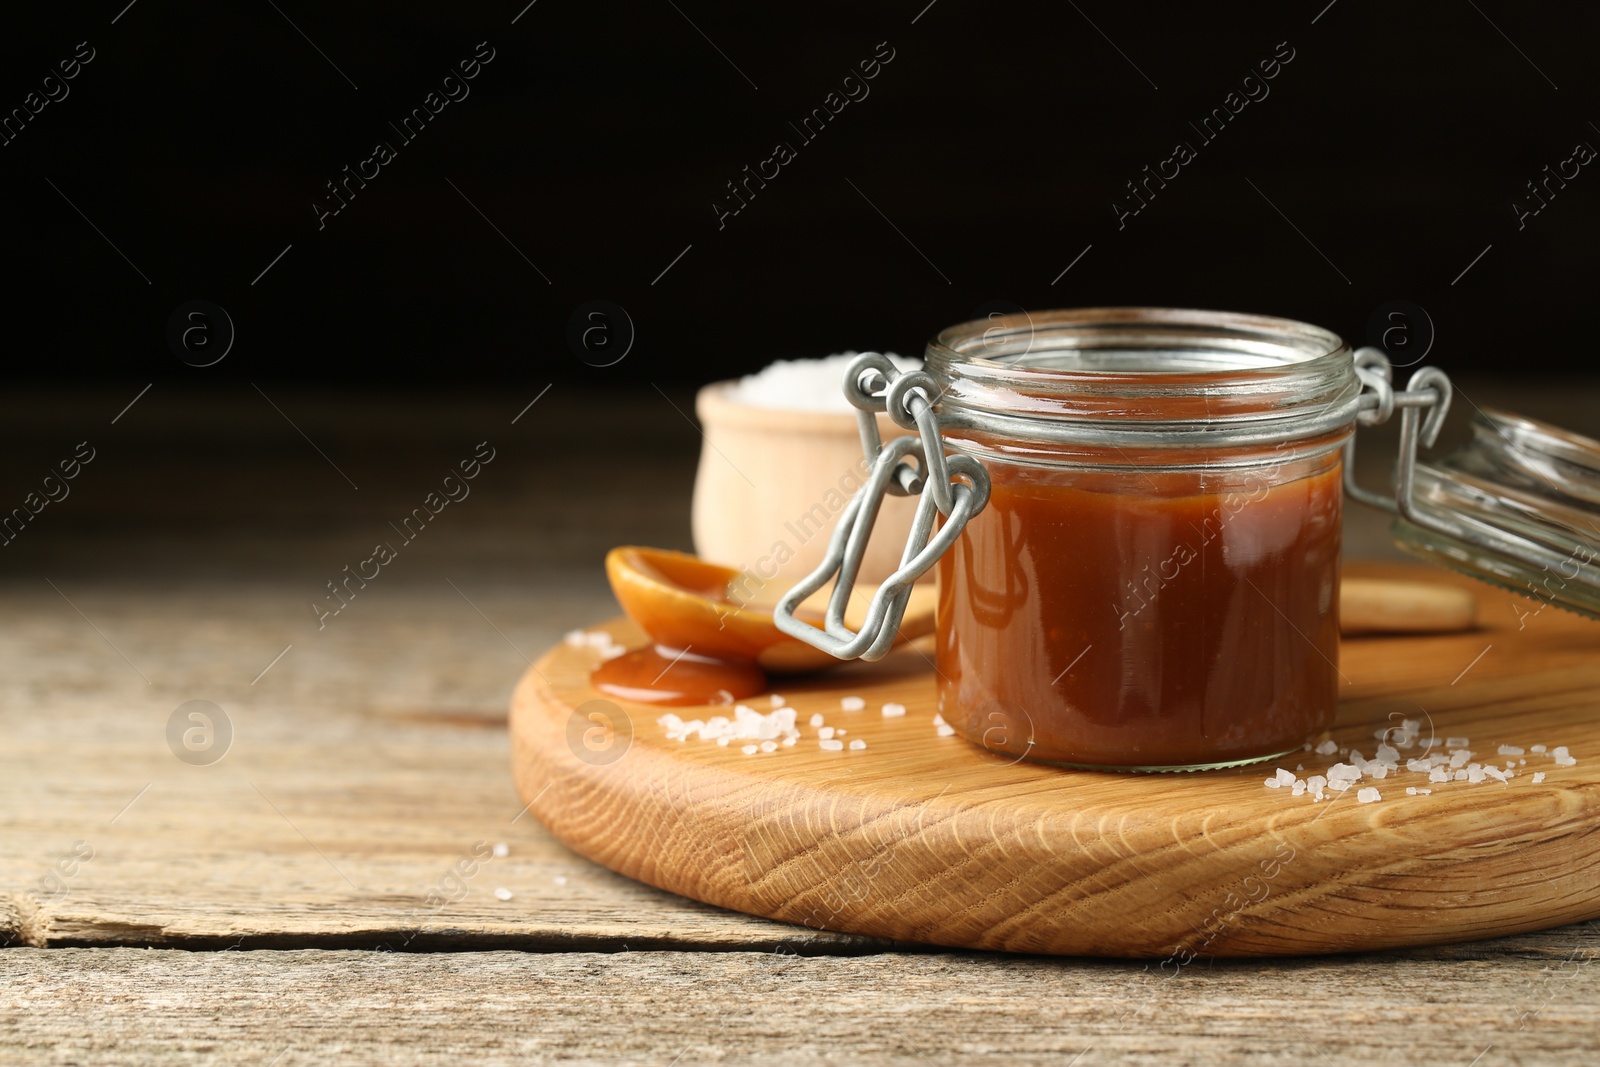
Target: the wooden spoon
(683, 601)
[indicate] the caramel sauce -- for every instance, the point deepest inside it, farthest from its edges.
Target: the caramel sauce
(706, 647)
(656, 674)
(1144, 620)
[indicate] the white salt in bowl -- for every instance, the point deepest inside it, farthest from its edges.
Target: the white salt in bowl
(781, 458)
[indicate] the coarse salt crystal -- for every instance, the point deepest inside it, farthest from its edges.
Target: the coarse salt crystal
(1559, 754)
(769, 746)
(787, 741)
(560, 879)
(938, 720)
(1344, 772)
(777, 701)
(1272, 783)
(852, 703)
(858, 744)
(1461, 775)
(750, 750)
(501, 850)
(1285, 777)
(816, 719)
(1439, 774)
(831, 746)
(825, 733)
(840, 732)
(893, 711)
(1327, 748)
(502, 893)
(945, 730)
(1456, 742)
(1537, 748)
(1538, 776)
(1299, 789)
(1509, 750)
(1368, 795)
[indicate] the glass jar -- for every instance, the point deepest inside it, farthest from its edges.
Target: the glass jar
(1135, 515)
(1154, 582)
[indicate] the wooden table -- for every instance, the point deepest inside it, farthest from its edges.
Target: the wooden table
(330, 888)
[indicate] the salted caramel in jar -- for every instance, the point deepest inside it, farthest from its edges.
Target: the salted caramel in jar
(1154, 583)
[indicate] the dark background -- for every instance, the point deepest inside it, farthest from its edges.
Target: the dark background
(600, 135)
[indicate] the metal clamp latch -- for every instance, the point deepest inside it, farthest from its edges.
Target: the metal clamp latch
(1423, 405)
(954, 485)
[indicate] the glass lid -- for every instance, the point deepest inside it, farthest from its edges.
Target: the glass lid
(1518, 506)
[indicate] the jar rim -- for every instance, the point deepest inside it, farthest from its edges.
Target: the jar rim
(1144, 375)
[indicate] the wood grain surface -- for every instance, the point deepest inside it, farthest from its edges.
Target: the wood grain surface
(930, 839)
(673, 1009)
(366, 768)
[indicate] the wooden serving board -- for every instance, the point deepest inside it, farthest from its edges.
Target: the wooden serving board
(930, 839)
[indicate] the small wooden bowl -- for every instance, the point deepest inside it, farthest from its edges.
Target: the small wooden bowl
(772, 483)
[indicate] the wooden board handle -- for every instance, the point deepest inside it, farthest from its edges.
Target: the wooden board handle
(1380, 605)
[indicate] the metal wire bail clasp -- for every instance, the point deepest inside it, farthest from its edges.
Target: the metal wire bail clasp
(955, 486)
(1423, 405)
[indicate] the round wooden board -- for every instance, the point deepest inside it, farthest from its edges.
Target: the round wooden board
(930, 839)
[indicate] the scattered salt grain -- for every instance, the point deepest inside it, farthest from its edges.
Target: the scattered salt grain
(560, 879)
(501, 850)
(938, 720)
(1439, 774)
(825, 733)
(777, 701)
(750, 750)
(787, 741)
(1327, 748)
(858, 744)
(502, 893)
(831, 746)
(852, 703)
(746, 725)
(1509, 750)
(803, 384)
(1299, 789)
(1272, 783)
(598, 640)
(1285, 777)
(1538, 776)
(893, 711)
(1537, 748)
(1559, 754)
(1368, 795)
(816, 719)
(945, 730)
(769, 746)
(840, 732)
(1456, 742)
